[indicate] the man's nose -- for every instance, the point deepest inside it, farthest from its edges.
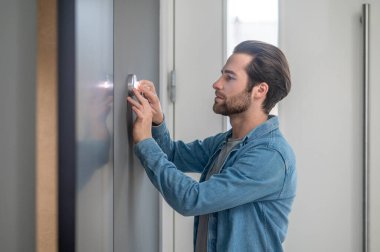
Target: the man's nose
(218, 84)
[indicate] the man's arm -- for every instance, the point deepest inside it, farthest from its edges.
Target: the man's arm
(188, 157)
(191, 157)
(257, 175)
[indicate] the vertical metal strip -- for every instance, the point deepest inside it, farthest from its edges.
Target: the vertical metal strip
(365, 20)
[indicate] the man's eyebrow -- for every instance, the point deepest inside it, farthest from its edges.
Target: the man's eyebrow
(228, 71)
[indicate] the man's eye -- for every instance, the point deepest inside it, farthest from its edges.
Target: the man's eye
(229, 77)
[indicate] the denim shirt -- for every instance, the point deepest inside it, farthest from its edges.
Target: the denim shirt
(248, 201)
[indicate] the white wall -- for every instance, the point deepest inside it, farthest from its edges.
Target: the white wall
(17, 124)
(323, 120)
(374, 118)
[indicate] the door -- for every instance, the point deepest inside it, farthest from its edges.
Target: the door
(106, 201)
(195, 49)
(323, 119)
(85, 70)
(136, 201)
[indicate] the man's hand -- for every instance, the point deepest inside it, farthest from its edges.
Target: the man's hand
(142, 127)
(147, 88)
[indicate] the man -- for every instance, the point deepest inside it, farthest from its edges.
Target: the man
(248, 180)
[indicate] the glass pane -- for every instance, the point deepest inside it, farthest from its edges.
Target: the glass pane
(251, 20)
(94, 125)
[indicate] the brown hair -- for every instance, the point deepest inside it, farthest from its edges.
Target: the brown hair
(268, 65)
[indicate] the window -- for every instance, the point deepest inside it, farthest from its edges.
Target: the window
(251, 20)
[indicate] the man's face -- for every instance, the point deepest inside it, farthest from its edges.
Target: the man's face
(231, 92)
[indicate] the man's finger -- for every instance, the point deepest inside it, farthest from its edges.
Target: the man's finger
(151, 96)
(147, 85)
(133, 102)
(137, 111)
(139, 97)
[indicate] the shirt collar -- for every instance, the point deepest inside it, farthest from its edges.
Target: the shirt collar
(269, 125)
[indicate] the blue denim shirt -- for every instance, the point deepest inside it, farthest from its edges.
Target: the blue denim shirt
(249, 200)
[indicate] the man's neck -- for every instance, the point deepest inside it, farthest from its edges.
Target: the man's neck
(244, 122)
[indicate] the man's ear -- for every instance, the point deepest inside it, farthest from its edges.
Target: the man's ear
(260, 90)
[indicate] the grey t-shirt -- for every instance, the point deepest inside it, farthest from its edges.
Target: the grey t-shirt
(201, 242)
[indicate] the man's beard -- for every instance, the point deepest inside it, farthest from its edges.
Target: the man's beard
(234, 105)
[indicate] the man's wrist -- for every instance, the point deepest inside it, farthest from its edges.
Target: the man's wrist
(158, 122)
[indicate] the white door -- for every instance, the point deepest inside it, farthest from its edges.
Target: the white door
(194, 47)
(198, 62)
(323, 119)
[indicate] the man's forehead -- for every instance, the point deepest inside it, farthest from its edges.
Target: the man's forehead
(237, 61)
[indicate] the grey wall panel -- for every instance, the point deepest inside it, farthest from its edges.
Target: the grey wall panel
(136, 50)
(17, 124)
